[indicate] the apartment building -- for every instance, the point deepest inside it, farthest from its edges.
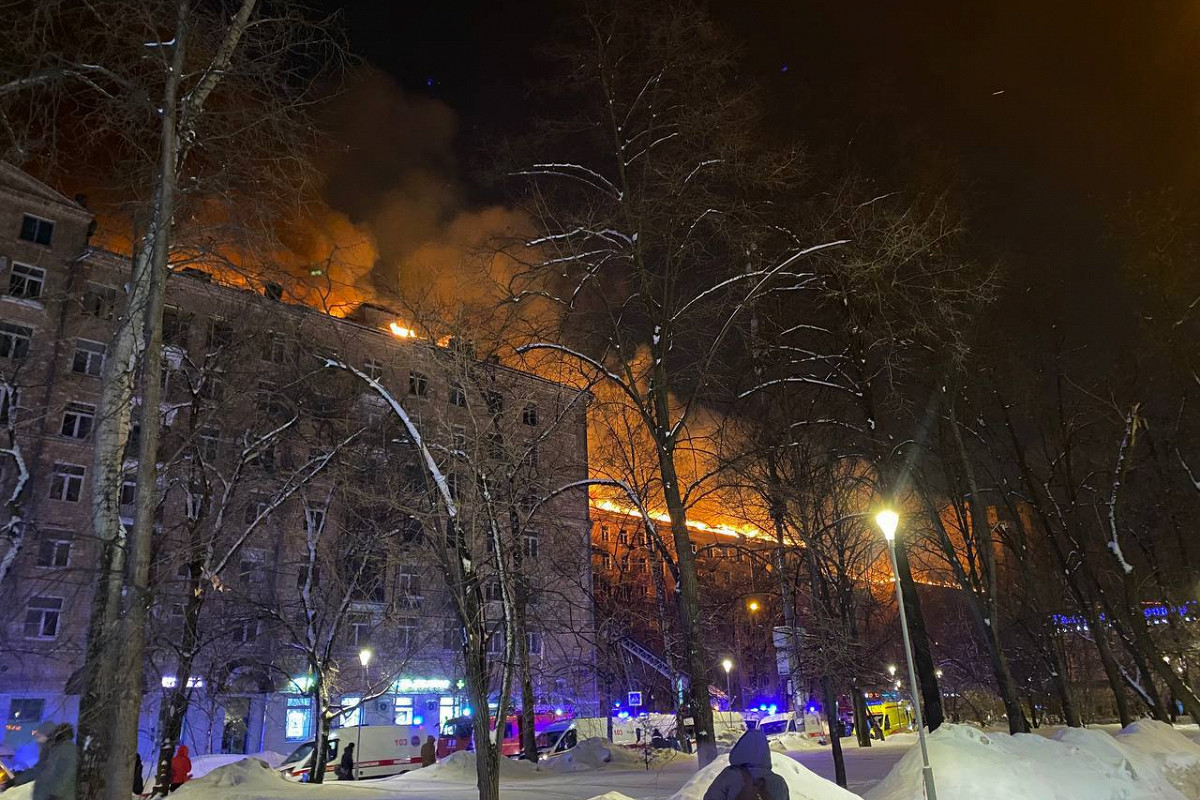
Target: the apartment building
(294, 501)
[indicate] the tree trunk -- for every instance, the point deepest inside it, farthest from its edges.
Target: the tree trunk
(787, 600)
(1060, 680)
(835, 730)
(320, 694)
(931, 698)
(175, 706)
(862, 725)
(689, 607)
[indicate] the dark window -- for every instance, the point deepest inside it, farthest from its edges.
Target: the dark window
(175, 327)
(458, 397)
(67, 482)
(494, 401)
(209, 444)
(88, 358)
(418, 384)
(128, 492)
(42, 617)
(220, 334)
(256, 507)
(277, 349)
(36, 230)
(98, 301)
(26, 281)
(531, 544)
(452, 635)
(8, 403)
(77, 420)
(530, 415)
(534, 640)
(54, 553)
(25, 710)
(373, 369)
(14, 340)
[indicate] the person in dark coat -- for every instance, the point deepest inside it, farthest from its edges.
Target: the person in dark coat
(428, 752)
(53, 777)
(345, 770)
(139, 783)
(749, 772)
(181, 768)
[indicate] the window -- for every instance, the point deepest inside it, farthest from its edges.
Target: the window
(250, 569)
(26, 281)
(66, 483)
(604, 534)
(77, 420)
(14, 340)
(42, 617)
(495, 645)
(98, 301)
(407, 632)
(36, 230)
(606, 560)
(408, 581)
(359, 631)
(458, 437)
(373, 369)
(452, 635)
(418, 384)
(492, 591)
(403, 713)
(244, 631)
(175, 327)
(297, 721)
(494, 401)
(353, 716)
(128, 492)
(531, 544)
(314, 517)
(8, 403)
(88, 359)
(54, 552)
(257, 506)
(220, 334)
(208, 444)
(529, 415)
(277, 349)
(452, 485)
(458, 397)
(534, 640)
(211, 389)
(532, 458)
(26, 710)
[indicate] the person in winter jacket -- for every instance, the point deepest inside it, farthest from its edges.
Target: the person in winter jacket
(53, 776)
(428, 752)
(139, 782)
(181, 768)
(345, 770)
(749, 775)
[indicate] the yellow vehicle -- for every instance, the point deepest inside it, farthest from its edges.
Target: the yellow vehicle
(890, 711)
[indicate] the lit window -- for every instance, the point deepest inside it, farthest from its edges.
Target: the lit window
(297, 721)
(351, 718)
(26, 281)
(36, 230)
(403, 714)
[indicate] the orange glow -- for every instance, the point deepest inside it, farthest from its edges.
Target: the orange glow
(401, 331)
(746, 531)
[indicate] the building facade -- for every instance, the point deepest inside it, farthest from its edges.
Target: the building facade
(296, 518)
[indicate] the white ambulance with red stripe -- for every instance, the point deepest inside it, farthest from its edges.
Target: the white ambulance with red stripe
(379, 751)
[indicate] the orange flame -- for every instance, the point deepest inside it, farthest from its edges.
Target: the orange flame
(401, 331)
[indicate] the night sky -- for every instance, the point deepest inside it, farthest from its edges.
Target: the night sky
(1048, 113)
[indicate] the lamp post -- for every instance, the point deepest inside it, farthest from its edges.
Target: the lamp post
(364, 658)
(888, 520)
(728, 665)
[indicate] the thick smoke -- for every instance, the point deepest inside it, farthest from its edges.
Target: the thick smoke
(393, 173)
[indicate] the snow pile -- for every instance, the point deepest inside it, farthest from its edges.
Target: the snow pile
(251, 777)
(460, 767)
(1173, 752)
(593, 754)
(971, 765)
(794, 741)
(202, 765)
(611, 796)
(802, 784)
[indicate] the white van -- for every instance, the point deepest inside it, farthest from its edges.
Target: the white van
(379, 751)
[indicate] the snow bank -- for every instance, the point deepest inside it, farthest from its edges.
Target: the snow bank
(202, 765)
(460, 767)
(593, 754)
(249, 776)
(784, 742)
(611, 796)
(969, 764)
(802, 784)
(1175, 754)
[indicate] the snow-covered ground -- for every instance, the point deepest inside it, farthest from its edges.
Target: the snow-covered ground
(1146, 761)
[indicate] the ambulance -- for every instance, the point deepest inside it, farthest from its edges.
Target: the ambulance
(379, 751)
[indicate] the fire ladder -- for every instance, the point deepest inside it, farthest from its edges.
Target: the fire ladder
(655, 663)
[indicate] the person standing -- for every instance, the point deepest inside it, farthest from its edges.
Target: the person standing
(345, 770)
(749, 775)
(139, 782)
(53, 777)
(181, 768)
(428, 752)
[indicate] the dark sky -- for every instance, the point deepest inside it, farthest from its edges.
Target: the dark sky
(1049, 110)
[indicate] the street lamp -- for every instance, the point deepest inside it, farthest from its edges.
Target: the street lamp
(728, 665)
(753, 606)
(888, 520)
(364, 658)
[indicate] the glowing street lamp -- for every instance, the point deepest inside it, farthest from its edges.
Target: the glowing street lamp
(888, 521)
(727, 665)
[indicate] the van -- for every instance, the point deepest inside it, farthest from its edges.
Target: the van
(379, 751)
